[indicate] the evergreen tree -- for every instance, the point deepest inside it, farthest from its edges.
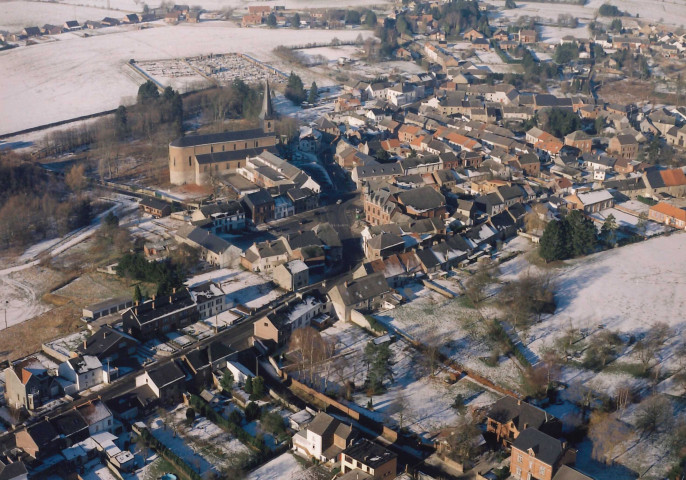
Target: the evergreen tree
(553, 242)
(148, 92)
(121, 126)
(314, 93)
(227, 381)
(370, 19)
(257, 388)
(295, 90)
(608, 232)
(352, 17)
(271, 21)
(295, 21)
(137, 295)
(581, 234)
(248, 386)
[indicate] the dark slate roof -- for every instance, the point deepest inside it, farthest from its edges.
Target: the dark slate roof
(369, 453)
(296, 194)
(502, 220)
(209, 158)
(529, 158)
(12, 470)
(195, 140)
(102, 341)
(208, 240)
(43, 433)
(166, 374)
(654, 178)
(385, 240)
(510, 193)
(261, 197)
(69, 423)
(164, 305)
(546, 448)
(303, 239)
(517, 210)
(230, 208)
(521, 413)
(364, 288)
(427, 257)
(378, 170)
(423, 198)
(154, 203)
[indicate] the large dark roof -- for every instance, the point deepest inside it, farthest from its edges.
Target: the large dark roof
(12, 470)
(568, 473)
(521, 413)
(43, 433)
(423, 198)
(154, 203)
(546, 448)
(216, 157)
(195, 140)
(261, 197)
(166, 374)
(69, 423)
(369, 453)
(363, 289)
(427, 257)
(163, 305)
(208, 240)
(103, 340)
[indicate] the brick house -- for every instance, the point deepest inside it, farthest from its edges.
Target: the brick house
(509, 416)
(623, 146)
(669, 215)
(536, 455)
(372, 459)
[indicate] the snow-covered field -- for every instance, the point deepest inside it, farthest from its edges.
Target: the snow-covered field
(668, 12)
(14, 16)
(242, 287)
(78, 76)
(283, 467)
(626, 289)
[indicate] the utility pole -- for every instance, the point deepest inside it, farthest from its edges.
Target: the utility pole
(7, 302)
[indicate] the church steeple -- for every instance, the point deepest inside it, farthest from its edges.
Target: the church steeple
(267, 114)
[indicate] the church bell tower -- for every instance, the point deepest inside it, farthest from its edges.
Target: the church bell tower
(267, 115)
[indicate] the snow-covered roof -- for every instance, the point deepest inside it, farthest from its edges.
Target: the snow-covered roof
(590, 198)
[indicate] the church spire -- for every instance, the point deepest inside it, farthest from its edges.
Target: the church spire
(267, 112)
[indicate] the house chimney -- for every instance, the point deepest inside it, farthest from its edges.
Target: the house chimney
(84, 344)
(174, 290)
(153, 304)
(136, 302)
(519, 401)
(346, 284)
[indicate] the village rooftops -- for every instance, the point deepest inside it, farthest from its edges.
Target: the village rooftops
(205, 239)
(85, 364)
(363, 289)
(422, 199)
(94, 411)
(153, 203)
(210, 138)
(161, 306)
(591, 198)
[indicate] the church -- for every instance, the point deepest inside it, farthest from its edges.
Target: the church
(200, 158)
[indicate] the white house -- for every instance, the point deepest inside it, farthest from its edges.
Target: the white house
(283, 207)
(98, 417)
(239, 372)
(323, 439)
(83, 372)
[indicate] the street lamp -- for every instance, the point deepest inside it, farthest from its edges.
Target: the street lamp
(7, 302)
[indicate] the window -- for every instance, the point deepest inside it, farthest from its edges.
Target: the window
(541, 470)
(211, 148)
(223, 148)
(189, 161)
(519, 458)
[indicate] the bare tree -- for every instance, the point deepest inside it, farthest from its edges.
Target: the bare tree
(653, 414)
(463, 437)
(313, 350)
(606, 432)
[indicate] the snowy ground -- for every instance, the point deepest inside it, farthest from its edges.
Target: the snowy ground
(203, 444)
(459, 331)
(283, 467)
(669, 12)
(421, 401)
(242, 287)
(78, 76)
(626, 289)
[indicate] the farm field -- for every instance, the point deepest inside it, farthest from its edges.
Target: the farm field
(79, 76)
(14, 16)
(669, 12)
